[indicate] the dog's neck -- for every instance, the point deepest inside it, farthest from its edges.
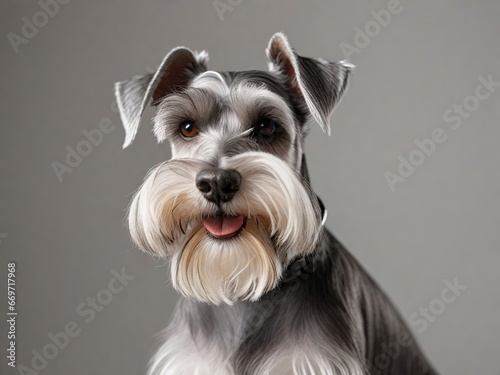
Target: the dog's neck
(306, 264)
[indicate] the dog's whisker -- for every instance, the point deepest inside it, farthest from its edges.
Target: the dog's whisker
(246, 132)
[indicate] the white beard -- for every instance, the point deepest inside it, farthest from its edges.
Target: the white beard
(283, 222)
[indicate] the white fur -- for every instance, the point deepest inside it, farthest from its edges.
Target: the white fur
(180, 354)
(306, 359)
(213, 81)
(165, 219)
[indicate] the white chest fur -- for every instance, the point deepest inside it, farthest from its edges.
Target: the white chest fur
(181, 356)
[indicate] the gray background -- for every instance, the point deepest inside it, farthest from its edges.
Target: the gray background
(66, 237)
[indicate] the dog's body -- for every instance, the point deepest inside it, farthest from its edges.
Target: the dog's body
(344, 326)
(268, 290)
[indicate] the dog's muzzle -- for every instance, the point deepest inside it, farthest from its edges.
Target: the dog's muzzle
(229, 231)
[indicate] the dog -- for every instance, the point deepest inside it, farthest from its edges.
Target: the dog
(267, 290)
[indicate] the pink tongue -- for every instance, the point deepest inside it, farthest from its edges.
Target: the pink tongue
(222, 226)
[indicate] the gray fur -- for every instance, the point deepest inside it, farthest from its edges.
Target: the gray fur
(322, 314)
(319, 83)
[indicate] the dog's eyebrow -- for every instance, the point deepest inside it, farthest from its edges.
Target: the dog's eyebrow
(213, 81)
(252, 101)
(196, 104)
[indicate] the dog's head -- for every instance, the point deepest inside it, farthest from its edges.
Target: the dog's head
(233, 206)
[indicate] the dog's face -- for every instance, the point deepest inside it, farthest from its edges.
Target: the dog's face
(231, 208)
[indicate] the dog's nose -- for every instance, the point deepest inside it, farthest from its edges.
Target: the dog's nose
(218, 185)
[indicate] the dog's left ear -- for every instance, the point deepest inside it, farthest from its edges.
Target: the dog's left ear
(175, 73)
(318, 83)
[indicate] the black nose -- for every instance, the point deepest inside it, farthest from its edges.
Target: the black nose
(218, 185)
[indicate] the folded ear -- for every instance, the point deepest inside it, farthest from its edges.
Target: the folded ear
(319, 84)
(175, 73)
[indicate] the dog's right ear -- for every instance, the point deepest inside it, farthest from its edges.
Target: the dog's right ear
(175, 73)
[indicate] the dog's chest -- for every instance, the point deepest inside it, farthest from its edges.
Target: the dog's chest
(308, 353)
(299, 359)
(269, 337)
(310, 360)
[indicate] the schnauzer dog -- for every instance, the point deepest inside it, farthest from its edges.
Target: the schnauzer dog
(267, 289)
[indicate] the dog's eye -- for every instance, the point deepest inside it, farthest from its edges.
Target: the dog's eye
(188, 129)
(265, 129)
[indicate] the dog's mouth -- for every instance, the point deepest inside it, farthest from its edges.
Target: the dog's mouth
(223, 226)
